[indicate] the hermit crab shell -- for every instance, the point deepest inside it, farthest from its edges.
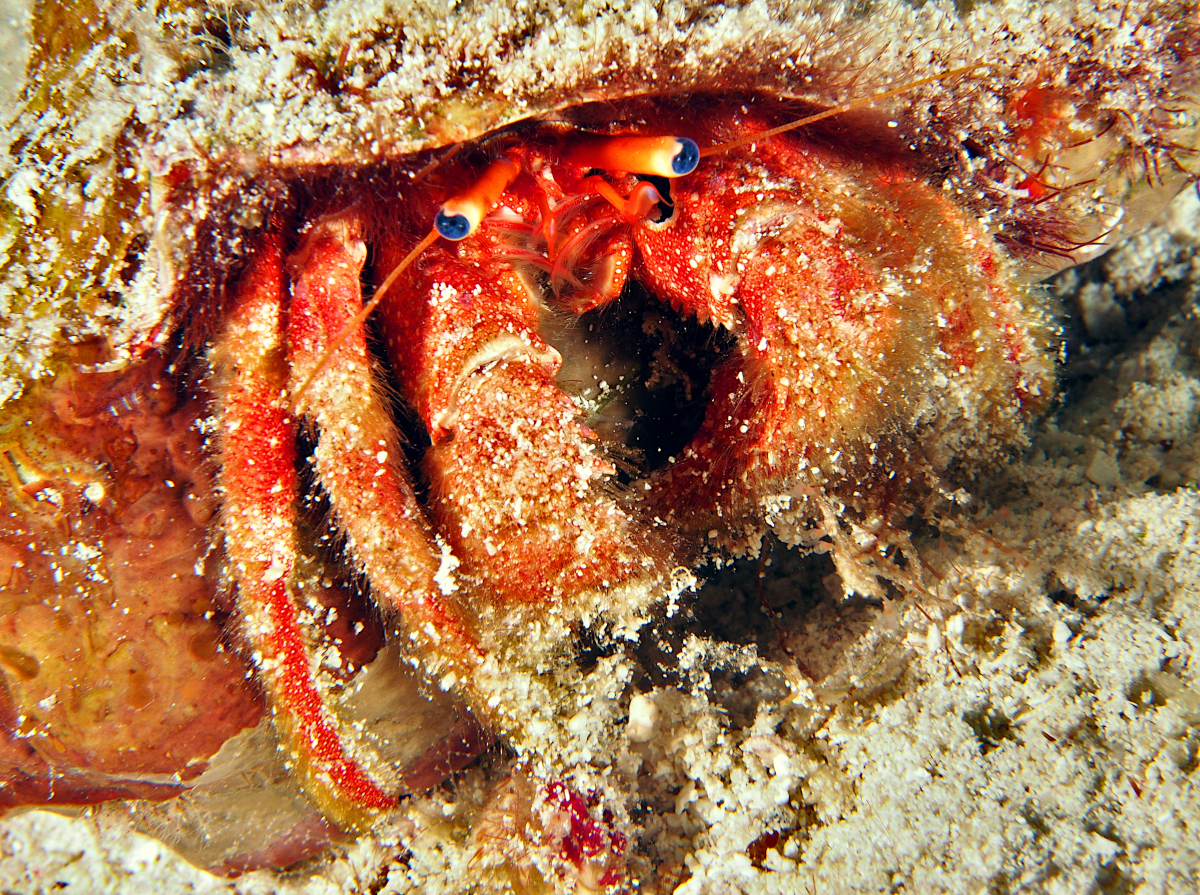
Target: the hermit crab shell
(1065, 125)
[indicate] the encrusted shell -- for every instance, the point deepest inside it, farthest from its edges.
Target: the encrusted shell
(117, 101)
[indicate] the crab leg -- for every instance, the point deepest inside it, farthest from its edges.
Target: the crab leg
(258, 457)
(358, 456)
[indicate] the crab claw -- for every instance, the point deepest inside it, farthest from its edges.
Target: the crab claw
(519, 487)
(854, 287)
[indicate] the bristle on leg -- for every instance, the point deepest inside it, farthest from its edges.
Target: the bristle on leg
(258, 461)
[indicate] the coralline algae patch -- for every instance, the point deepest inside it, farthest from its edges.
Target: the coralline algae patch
(1032, 722)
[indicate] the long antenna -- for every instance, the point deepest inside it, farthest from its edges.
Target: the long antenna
(839, 110)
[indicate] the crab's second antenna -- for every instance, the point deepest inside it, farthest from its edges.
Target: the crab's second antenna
(842, 109)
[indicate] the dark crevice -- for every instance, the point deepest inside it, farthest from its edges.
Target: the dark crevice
(990, 726)
(645, 376)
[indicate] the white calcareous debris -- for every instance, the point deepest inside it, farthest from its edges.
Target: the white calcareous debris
(1103, 470)
(643, 718)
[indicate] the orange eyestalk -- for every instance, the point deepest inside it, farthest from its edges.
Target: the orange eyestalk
(661, 156)
(460, 215)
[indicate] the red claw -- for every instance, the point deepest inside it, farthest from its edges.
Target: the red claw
(848, 280)
(518, 490)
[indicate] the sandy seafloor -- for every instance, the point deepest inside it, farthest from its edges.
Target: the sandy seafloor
(1030, 723)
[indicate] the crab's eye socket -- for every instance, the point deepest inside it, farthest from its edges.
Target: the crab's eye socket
(687, 156)
(452, 226)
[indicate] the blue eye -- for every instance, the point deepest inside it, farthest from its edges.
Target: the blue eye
(686, 158)
(452, 226)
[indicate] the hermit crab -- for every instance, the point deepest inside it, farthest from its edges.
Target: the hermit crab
(429, 336)
(820, 400)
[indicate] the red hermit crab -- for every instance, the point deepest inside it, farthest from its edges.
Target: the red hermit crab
(865, 339)
(852, 342)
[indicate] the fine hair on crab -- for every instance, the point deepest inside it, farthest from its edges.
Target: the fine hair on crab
(841, 334)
